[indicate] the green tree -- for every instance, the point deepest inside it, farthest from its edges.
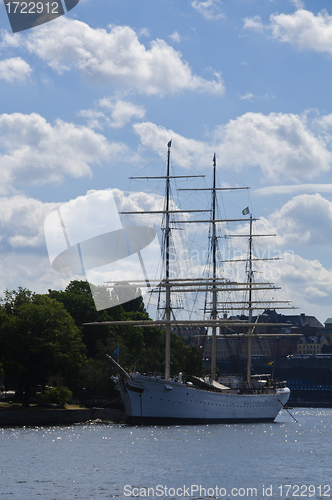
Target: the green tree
(58, 395)
(95, 377)
(149, 354)
(78, 302)
(123, 291)
(38, 338)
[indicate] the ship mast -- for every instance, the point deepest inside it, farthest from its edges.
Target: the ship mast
(215, 282)
(214, 275)
(167, 284)
(250, 307)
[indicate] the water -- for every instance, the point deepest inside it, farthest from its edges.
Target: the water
(96, 461)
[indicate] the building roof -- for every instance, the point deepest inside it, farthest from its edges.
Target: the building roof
(302, 320)
(298, 320)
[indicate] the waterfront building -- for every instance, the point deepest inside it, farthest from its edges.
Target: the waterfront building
(311, 345)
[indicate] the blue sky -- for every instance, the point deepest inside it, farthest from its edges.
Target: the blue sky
(93, 97)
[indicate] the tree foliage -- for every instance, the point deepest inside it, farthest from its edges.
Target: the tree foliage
(78, 302)
(38, 338)
(42, 335)
(58, 395)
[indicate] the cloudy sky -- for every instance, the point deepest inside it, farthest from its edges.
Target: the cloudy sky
(93, 97)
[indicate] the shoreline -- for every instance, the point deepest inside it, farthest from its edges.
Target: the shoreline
(58, 416)
(19, 418)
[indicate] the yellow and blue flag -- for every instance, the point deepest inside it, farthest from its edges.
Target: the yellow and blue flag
(246, 211)
(116, 351)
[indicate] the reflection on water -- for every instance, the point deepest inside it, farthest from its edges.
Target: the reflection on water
(91, 461)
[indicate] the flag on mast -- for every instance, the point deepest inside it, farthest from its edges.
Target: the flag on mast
(246, 211)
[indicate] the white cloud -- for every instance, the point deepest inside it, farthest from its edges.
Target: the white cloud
(298, 3)
(34, 151)
(24, 261)
(14, 69)
(95, 119)
(280, 144)
(304, 220)
(304, 282)
(186, 151)
(247, 97)
(175, 37)
(251, 97)
(144, 32)
(10, 40)
(30, 271)
(22, 218)
(22, 221)
(210, 9)
(308, 283)
(137, 202)
(324, 122)
(121, 112)
(254, 23)
(302, 29)
(115, 58)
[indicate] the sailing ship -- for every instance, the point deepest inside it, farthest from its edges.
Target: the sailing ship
(165, 400)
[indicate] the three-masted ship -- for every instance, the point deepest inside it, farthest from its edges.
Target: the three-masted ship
(165, 400)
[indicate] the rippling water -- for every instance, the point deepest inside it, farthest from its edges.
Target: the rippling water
(93, 461)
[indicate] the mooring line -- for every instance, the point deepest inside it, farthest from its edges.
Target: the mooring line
(287, 411)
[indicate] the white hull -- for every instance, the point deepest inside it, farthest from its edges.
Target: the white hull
(152, 400)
